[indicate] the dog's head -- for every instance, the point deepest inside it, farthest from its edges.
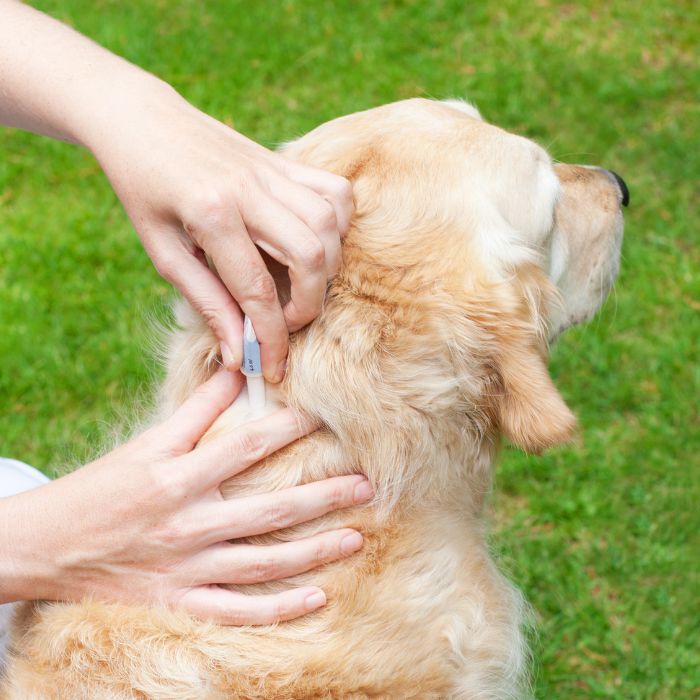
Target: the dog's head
(469, 252)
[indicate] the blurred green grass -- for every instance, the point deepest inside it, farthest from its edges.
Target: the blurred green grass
(601, 536)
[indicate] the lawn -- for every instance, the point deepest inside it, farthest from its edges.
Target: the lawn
(602, 536)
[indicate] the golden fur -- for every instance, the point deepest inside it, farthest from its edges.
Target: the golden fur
(432, 343)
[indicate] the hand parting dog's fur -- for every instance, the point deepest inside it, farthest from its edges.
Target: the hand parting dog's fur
(468, 252)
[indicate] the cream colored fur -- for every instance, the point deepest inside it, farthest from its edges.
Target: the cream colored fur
(432, 344)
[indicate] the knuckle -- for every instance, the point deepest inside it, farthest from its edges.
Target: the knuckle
(342, 189)
(312, 254)
(173, 534)
(213, 313)
(324, 551)
(281, 514)
(168, 484)
(262, 288)
(167, 568)
(232, 616)
(265, 569)
(210, 204)
(251, 444)
(277, 611)
(246, 181)
(166, 265)
(323, 217)
(296, 317)
(206, 212)
(336, 497)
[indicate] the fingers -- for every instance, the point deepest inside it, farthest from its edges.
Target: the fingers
(244, 564)
(224, 236)
(255, 515)
(337, 190)
(231, 608)
(318, 215)
(209, 296)
(293, 212)
(196, 415)
(233, 452)
(291, 242)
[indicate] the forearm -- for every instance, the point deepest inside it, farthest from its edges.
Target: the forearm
(56, 82)
(190, 185)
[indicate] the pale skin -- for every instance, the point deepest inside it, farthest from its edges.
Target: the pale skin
(146, 523)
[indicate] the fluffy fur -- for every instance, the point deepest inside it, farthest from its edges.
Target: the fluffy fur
(432, 343)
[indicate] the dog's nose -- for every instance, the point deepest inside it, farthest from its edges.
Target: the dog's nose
(623, 187)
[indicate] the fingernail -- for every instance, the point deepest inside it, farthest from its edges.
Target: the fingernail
(351, 543)
(226, 355)
(363, 492)
(281, 370)
(315, 600)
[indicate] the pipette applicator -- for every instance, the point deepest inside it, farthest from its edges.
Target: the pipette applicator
(252, 369)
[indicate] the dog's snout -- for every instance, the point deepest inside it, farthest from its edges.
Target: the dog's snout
(623, 187)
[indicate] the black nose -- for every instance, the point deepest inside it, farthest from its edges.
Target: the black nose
(623, 188)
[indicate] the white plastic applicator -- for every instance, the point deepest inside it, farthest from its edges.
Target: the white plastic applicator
(252, 368)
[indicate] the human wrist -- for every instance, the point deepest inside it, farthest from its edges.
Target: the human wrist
(110, 111)
(26, 570)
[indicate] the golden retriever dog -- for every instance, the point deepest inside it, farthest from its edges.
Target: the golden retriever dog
(470, 250)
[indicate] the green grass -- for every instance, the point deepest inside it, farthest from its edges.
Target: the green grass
(602, 536)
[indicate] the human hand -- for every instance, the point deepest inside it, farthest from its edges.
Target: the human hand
(146, 523)
(193, 186)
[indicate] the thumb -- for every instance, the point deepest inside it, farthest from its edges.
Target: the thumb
(197, 414)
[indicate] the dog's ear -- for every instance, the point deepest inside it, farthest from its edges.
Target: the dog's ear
(527, 407)
(530, 411)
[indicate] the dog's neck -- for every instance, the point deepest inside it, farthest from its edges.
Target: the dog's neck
(393, 396)
(405, 448)
(390, 395)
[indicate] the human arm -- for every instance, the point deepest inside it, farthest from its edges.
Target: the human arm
(190, 184)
